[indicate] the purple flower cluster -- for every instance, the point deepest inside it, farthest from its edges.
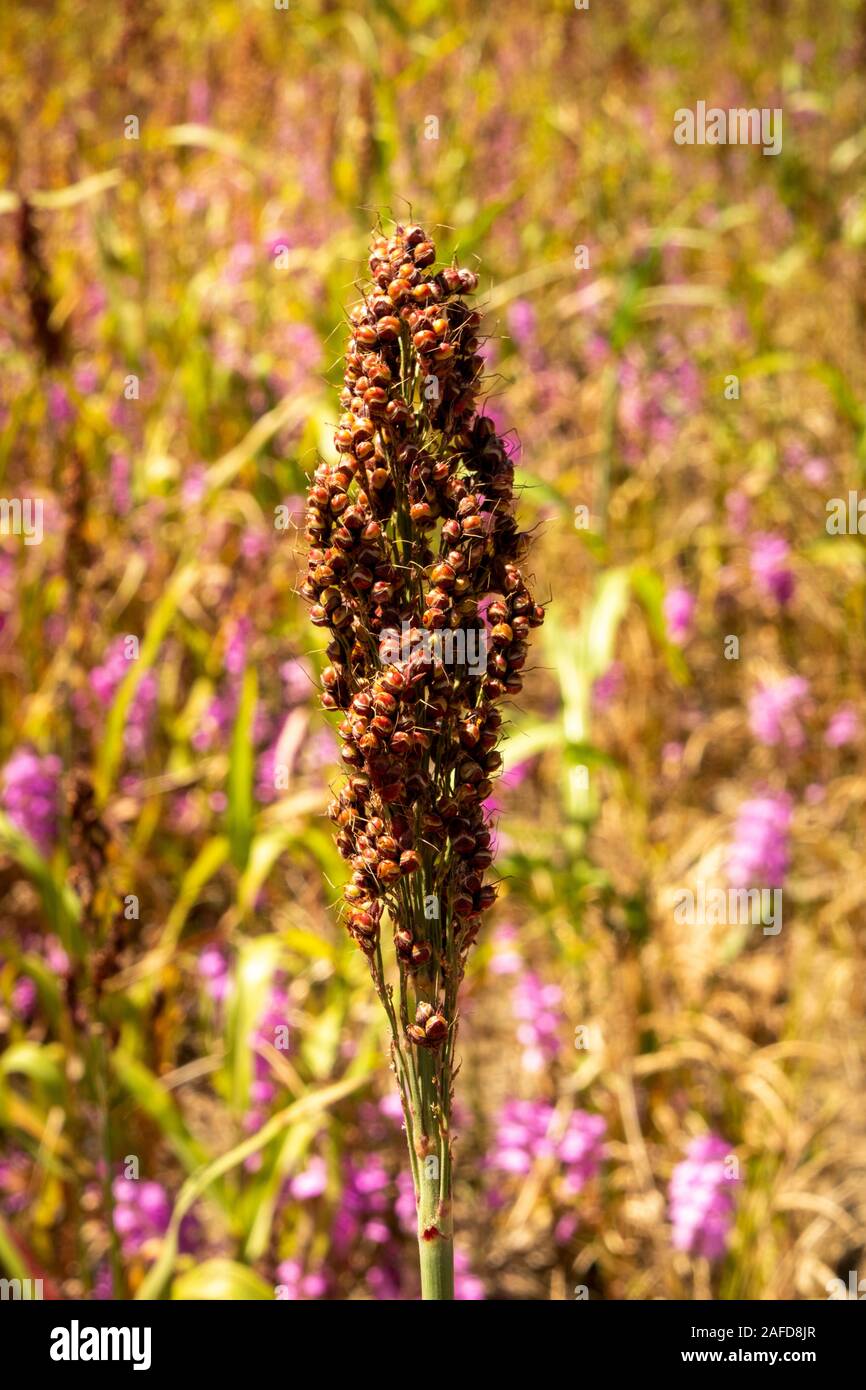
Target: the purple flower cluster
(31, 796)
(294, 1285)
(142, 1211)
(774, 712)
(220, 714)
(537, 1008)
(758, 855)
(105, 681)
(844, 727)
(16, 1172)
(506, 958)
(25, 997)
(679, 612)
(213, 967)
(607, 687)
(366, 1201)
(654, 399)
(374, 1209)
(701, 1196)
(770, 568)
(529, 1131)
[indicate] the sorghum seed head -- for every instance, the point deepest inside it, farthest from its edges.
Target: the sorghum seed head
(410, 529)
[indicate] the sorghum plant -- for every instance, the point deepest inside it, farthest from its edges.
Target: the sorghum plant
(413, 568)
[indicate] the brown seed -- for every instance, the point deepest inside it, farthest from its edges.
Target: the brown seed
(436, 1028)
(443, 575)
(363, 922)
(375, 399)
(388, 871)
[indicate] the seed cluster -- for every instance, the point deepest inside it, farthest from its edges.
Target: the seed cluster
(412, 531)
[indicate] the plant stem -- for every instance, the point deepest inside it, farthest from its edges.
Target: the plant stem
(436, 1252)
(435, 1238)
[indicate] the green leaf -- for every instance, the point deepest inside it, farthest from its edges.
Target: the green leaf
(239, 817)
(321, 1043)
(837, 552)
(62, 907)
(40, 1063)
(161, 619)
(10, 1257)
(290, 411)
(264, 853)
(151, 1095)
(209, 860)
(649, 589)
(530, 738)
(46, 982)
(311, 1104)
(291, 1154)
(75, 193)
(222, 1281)
(599, 630)
(257, 961)
(541, 491)
(204, 137)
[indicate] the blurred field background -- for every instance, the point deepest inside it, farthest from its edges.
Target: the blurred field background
(197, 1104)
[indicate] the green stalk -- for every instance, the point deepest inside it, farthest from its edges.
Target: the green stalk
(435, 1253)
(435, 1230)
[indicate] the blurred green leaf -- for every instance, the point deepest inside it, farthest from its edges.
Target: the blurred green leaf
(150, 1094)
(239, 815)
(649, 588)
(256, 964)
(62, 908)
(47, 983)
(221, 1280)
(209, 860)
(10, 1257)
(310, 1104)
(321, 1042)
(292, 410)
(204, 137)
(75, 193)
(39, 1062)
(264, 853)
(289, 1158)
(111, 750)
